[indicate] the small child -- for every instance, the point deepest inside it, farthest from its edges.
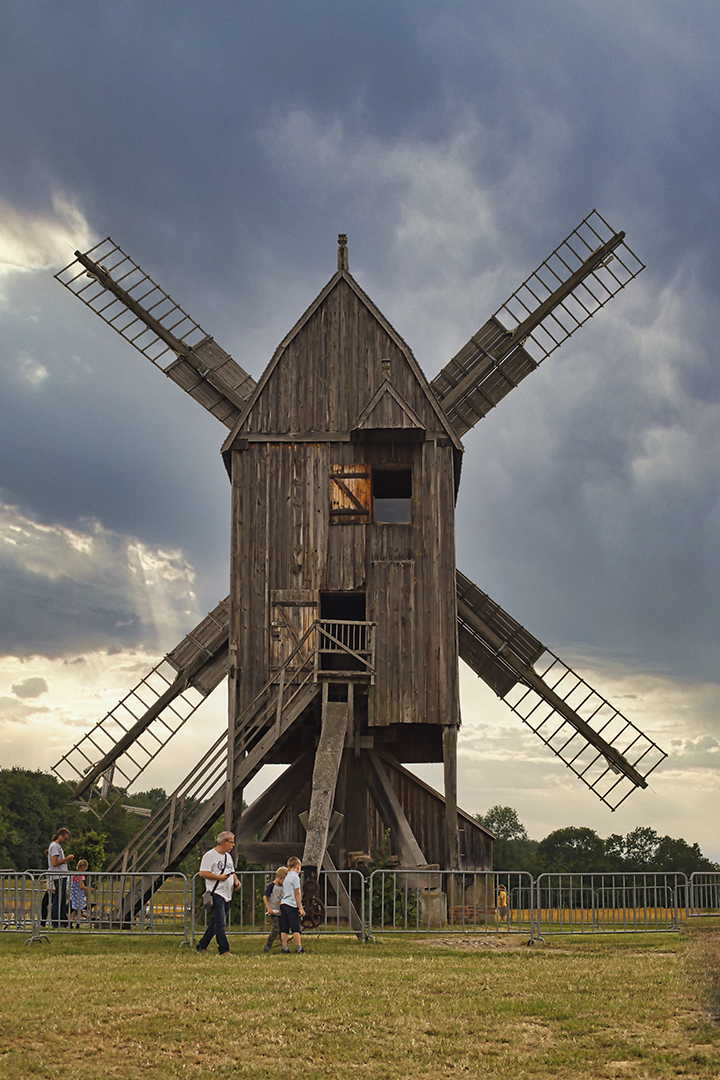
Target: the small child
(271, 899)
(291, 907)
(78, 892)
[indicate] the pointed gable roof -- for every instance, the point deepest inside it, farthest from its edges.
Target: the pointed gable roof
(324, 297)
(388, 410)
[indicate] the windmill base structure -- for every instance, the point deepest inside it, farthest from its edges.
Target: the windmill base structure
(346, 617)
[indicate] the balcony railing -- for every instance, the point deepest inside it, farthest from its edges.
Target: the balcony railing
(344, 649)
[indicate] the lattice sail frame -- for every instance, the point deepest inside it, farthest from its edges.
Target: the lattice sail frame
(486, 369)
(194, 668)
(101, 739)
(160, 330)
(569, 745)
(126, 272)
(492, 664)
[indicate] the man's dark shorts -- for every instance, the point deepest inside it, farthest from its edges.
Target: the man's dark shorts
(289, 920)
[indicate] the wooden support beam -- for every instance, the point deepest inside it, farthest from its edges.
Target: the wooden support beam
(325, 772)
(383, 795)
(449, 740)
(281, 792)
(344, 900)
(272, 852)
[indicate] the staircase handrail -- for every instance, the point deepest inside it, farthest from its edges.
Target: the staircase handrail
(156, 827)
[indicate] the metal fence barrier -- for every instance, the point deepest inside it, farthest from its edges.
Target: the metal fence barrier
(342, 893)
(704, 895)
(608, 903)
(386, 902)
(451, 902)
(95, 903)
(16, 900)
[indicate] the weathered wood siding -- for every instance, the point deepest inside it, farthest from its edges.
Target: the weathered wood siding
(283, 539)
(329, 371)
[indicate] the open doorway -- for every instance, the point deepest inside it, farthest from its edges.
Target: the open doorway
(343, 616)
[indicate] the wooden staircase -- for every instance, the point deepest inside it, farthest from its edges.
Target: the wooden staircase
(199, 800)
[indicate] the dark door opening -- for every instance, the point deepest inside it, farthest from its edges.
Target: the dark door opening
(338, 612)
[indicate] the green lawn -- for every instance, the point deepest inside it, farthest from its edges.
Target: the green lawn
(87, 1009)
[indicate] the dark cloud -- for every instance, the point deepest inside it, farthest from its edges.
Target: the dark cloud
(30, 688)
(457, 145)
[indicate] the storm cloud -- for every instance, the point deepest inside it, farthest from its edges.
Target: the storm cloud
(224, 149)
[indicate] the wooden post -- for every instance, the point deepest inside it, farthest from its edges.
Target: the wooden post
(325, 772)
(405, 845)
(449, 739)
(282, 791)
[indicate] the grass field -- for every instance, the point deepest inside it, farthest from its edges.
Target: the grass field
(87, 1009)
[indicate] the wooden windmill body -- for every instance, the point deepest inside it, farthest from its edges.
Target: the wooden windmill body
(346, 613)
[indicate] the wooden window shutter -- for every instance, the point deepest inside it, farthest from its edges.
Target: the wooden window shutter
(350, 494)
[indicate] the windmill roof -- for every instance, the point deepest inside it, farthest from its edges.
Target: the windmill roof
(344, 275)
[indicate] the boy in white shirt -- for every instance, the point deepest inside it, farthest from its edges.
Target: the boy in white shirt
(291, 907)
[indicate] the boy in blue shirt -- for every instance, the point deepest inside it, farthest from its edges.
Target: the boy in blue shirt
(271, 899)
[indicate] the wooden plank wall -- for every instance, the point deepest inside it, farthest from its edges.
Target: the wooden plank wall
(424, 809)
(282, 538)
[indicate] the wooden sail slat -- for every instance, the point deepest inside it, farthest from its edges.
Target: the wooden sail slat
(590, 267)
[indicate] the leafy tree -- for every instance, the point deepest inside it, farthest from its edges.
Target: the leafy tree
(503, 822)
(572, 850)
(641, 848)
(615, 852)
(91, 846)
(512, 849)
(678, 855)
(8, 839)
(35, 805)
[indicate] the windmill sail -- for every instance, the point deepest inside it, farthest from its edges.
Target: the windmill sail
(590, 267)
(105, 762)
(601, 746)
(126, 298)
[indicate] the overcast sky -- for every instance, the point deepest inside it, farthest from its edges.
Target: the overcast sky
(224, 146)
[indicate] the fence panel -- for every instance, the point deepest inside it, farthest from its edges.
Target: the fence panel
(608, 903)
(450, 902)
(17, 900)
(388, 902)
(342, 893)
(99, 903)
(704, 895)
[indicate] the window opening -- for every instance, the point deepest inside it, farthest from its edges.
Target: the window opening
(392, 495)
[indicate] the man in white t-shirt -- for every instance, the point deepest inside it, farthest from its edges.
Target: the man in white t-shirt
(218, 870)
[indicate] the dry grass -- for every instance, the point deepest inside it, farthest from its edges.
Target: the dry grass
(607, 1007)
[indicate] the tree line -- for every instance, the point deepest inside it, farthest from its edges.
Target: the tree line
(580, 850)
(34, 805)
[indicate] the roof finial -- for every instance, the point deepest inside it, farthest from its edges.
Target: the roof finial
(342, 252)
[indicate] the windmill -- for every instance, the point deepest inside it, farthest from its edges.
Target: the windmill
(346, 615)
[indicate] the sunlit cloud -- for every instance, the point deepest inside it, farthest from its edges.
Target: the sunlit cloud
(92, 580)
(30, 371)
(31, 241)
